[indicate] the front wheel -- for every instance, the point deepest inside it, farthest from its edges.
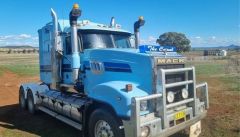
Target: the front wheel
(104, 124)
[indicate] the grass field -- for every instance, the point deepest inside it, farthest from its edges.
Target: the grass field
(232, 82)
(218, 69)
(221, 74)
(223, 78)
(21, 64)
(22, 69)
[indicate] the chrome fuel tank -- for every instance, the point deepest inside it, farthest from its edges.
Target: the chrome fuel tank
(67, 104)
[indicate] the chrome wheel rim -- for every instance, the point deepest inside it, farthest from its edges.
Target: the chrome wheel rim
(103, 129)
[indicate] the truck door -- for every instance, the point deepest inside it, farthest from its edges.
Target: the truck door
(66, 64)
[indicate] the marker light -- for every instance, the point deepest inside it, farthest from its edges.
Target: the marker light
(128, 87)
(75, 6)
(170, 97)
(184, 93)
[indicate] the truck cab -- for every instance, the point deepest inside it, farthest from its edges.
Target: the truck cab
(95, 79)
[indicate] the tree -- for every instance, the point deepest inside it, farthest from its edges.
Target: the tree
(29, 51)
(9, 51)
(24, 51)
(179, 40)
(34, 50)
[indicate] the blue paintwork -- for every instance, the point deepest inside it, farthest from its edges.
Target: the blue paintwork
(75, 64)
(117, 67)
(113, 93)
(45, 53)
(108, 86)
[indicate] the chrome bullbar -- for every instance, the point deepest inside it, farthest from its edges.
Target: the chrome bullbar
(157, 120)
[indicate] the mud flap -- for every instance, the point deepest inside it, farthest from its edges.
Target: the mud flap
(195, 129)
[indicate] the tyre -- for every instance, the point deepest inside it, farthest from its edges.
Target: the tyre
(104, 124)
(22, 100)
(30, 102)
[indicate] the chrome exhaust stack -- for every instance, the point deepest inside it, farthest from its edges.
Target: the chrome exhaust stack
(112, 23)
(73, 16)
(56, 52)
(137, 26)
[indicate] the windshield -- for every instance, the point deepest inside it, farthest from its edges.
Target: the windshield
(104, 40)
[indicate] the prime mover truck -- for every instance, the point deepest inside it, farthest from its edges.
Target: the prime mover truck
(100, 80)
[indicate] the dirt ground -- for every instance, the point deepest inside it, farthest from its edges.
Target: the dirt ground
(18, 123)
(223, 118)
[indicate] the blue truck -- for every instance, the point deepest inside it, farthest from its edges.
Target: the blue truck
(100, 80)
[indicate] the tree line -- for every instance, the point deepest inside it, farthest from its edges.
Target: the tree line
(24, 51)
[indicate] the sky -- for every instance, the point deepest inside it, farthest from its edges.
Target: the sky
(205, 22)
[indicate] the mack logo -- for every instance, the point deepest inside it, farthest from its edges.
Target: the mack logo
(170, 61)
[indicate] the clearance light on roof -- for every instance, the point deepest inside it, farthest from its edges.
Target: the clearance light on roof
(118, 26)
(113, 24)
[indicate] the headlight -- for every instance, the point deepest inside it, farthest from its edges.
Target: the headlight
(184, 93)
(143, 105)
(145, 131)
(170, 97)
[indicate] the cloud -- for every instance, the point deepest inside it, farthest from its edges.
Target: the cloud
(6, 37)
(212, 41)
(17, 40)
(213, 37)
(24, 36)
(35, 38)
(197, 41)
(198, 37)
(151, 40)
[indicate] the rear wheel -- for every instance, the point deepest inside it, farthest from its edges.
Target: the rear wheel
(30, 102)
(22, 100)
(104, 124)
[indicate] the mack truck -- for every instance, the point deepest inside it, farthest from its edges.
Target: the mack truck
(98, 79)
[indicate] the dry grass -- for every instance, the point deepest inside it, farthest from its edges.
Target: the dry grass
(12, 59)
(22, 64)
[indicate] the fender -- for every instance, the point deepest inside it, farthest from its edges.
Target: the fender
(34, 87)
(114, 94)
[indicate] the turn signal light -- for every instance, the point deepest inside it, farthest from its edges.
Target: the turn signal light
(75, 6)
(141, 18)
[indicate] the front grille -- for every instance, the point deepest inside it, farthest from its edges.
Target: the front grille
(172, 78)
(170, 66)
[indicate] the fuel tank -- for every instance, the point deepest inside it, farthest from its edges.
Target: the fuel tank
(64, 103)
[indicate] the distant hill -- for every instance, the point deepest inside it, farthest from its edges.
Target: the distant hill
(230, 47)
(233, 47)
(18, 47)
